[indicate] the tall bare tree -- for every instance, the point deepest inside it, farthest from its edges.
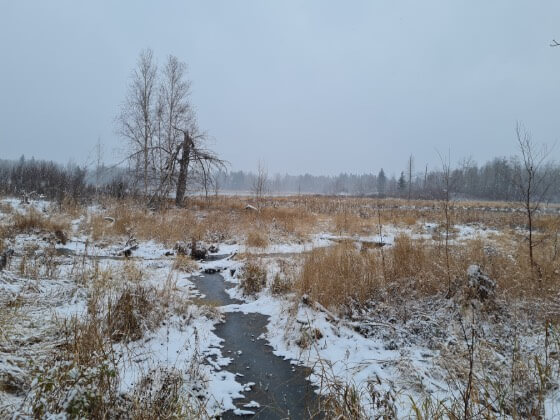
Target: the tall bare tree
(533, 181)
(447, 207)
(136, 118)
(158, 120)
(173, 110)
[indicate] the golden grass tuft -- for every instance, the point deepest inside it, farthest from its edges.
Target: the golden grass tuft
(343, 275)
(253, 278)
(256, 239)
(128, 315)
(166, 227)
(32, 220)
(185, 263)
(336, 275)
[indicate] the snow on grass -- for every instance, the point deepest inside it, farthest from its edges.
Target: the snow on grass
(296, 331)
(186, 344)
(340, 354)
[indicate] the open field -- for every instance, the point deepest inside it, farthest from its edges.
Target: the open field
(397, 310)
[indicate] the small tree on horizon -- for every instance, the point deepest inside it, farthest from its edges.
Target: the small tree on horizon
(401, 183)
(381, 182)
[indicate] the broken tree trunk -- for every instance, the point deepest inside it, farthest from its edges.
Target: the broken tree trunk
(183, 168)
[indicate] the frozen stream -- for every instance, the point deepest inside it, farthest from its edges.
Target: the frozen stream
(281, 388)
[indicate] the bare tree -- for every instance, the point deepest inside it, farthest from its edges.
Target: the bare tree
(158, 120)
(216, 183)
(447, 206)
(98, 164)
(184, 160)
(533, 181)
(174, 110)
(260, 183)
(193, 153)
(136, 118)
(410, 165)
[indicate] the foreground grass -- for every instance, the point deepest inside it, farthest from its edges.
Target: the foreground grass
(414, 277)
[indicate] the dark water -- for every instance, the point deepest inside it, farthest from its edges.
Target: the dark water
(280, 387)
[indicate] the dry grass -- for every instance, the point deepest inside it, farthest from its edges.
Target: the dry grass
(71, 207)
(120, 309)
(253, 278)
(333, 276)
(32, 220)
(256, 239)
(284, 279)
(292, 218)
(126, 218)
(38, 263)
(131, 273)
(6, 208)
(343, 275)
(185, 263)
(296, 221)
(130, 314)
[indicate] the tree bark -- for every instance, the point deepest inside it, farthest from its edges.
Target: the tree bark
(183, 168)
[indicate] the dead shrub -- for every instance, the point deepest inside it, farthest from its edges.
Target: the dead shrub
(81, 381)
(38, 263)
(129, 315)
(131, 272)
(280, 285)
(308, 336)
(185, 263)
(348, 223)
(253, 278)
(256, 239)
(28, 221)
(159, 395)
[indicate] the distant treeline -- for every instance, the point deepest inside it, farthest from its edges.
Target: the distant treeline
(57, 182)
(498, 179)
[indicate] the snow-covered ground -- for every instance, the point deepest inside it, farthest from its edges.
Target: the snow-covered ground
(372, 352)
(184, 341)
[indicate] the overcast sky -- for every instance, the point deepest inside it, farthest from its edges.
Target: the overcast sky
(305, 86)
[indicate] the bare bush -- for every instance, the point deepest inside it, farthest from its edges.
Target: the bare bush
(129, 316)
(253, 278)
(256, 239)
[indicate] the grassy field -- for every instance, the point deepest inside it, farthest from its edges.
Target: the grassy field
(395, 274)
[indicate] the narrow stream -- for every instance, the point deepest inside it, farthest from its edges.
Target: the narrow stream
(280, 388)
